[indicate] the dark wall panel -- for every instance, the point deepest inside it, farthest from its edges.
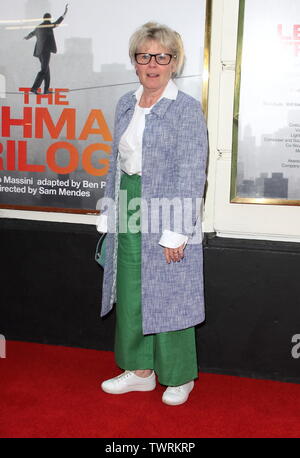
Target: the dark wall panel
(252, 308)
(51, 293)
(51, 285)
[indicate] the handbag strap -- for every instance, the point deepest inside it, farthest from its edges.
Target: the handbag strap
(98, 247)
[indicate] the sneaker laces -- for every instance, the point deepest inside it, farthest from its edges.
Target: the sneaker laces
(176, 389)
(127, 374)
(122, 376)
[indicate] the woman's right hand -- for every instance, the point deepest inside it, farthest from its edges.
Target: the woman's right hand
(174, 254)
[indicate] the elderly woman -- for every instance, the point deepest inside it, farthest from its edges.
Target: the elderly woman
(153, 268)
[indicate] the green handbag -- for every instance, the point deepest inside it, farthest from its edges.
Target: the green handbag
(100, 254)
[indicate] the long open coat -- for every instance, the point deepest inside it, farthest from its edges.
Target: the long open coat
(173, 166)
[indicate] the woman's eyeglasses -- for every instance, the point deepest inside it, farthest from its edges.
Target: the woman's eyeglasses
(143, 58)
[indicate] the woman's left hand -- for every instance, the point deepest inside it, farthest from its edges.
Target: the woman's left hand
(174, 254)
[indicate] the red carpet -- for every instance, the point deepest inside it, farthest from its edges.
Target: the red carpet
(53, 392)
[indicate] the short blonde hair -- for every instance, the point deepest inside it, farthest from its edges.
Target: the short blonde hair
(167, 37)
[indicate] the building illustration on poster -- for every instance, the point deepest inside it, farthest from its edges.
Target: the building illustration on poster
(55, 147)
(267, 144)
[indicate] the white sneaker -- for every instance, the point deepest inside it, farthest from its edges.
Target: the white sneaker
(176, 395)
(127, 382)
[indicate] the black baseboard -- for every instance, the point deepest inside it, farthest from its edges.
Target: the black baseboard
(51, 293)
(51, 285)
(252, 308)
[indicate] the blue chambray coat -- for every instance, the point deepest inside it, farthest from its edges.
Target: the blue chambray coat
(173, 165)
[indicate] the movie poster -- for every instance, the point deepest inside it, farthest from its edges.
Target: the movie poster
(268, 145)
(56, 134)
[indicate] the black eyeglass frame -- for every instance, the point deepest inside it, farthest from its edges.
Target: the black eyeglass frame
(155, 57)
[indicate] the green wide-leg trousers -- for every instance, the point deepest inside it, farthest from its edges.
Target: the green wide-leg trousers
(172, 355)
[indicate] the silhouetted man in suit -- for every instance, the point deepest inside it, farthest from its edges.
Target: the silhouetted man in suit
(45, 45)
